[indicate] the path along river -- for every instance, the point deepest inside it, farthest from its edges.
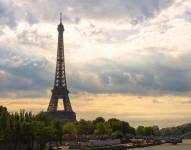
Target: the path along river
(186, 145)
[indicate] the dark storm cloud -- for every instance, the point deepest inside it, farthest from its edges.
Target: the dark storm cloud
(155, 75)
(78, 82)
(23, 73)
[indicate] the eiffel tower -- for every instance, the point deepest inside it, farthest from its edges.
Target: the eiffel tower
(60, 90)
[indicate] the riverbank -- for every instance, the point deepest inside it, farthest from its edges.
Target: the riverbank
(111, 147)
(185, 145)
(109, 144)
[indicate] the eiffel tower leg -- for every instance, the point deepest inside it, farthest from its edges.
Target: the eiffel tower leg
(53, 104)
(67, 104)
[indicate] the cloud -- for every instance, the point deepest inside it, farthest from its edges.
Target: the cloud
(7, 14)
(153, 76)
(21, 75)
(124, 107)
(75, 10)
(187, 102)
(134, 47)
(32, 37)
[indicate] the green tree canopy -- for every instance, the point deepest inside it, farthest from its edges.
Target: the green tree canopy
(140, 130)
(69, 128)
(99, 120)
(103, 129)
(85, 127)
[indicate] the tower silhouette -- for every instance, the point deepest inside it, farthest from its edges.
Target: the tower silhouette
(60, 90)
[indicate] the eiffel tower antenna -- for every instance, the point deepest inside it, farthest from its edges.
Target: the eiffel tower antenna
(60, 18)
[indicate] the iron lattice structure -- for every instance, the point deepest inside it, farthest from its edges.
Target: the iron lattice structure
(60, 90)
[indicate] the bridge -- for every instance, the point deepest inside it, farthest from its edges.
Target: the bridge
(173, 139)
(178, 139)
(185, 135)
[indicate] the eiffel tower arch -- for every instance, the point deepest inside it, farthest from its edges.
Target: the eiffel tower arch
(60, 90)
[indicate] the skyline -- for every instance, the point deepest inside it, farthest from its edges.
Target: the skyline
(133, 57)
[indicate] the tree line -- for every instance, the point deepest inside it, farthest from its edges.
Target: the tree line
(26, 131)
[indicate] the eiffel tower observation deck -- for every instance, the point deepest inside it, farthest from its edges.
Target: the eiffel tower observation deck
(60, 90)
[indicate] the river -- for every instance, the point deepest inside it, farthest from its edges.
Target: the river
(186, 145)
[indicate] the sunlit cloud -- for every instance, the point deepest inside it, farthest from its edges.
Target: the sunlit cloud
(137, 110)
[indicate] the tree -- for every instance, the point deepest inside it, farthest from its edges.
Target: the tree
(4, 124)
(125, 127)
(44, 134)
(132, 131)
(148, 131)
(156, 130)
(102, 129)
(58, 130)
(22, 129)
(85, 127)
(99, 120)
(43, 117)
(69, 128)
(140, 130)
(115, 124)
(117, 134)
(3, 110)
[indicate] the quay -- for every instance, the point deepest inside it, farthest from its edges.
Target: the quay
(109, 144)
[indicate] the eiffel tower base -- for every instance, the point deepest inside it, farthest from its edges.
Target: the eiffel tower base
(63, 116)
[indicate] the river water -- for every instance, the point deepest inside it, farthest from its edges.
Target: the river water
(186, 145)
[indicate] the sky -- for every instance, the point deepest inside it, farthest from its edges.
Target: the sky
(128, 59)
